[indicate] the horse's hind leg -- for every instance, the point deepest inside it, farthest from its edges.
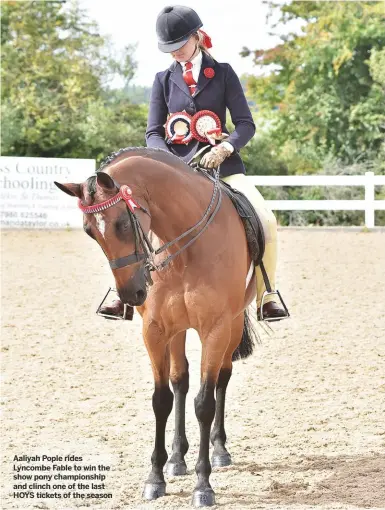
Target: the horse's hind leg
(180, 382)
(221, 456)
(214, 346)
(162, 400)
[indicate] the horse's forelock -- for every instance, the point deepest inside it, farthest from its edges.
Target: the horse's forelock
(91, 185)
(89, 190)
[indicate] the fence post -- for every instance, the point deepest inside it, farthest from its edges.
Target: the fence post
(369, 200)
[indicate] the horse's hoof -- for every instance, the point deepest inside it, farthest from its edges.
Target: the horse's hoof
(221, 460)
(176, 468)
(154, 490)
(204, 497)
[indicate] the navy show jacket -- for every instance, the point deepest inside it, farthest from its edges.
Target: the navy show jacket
(171, 94)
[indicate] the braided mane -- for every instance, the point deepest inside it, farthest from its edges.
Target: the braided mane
(146, 152)
(126, 152)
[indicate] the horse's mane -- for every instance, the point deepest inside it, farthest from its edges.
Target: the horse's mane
(146, 152)
(161, 155)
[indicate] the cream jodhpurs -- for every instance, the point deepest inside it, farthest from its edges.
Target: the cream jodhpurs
(240, 182)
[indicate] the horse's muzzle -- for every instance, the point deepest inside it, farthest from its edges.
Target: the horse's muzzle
(133, 291)
(133, 295)
(137, 299)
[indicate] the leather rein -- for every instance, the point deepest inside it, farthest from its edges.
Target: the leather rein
(142, 242)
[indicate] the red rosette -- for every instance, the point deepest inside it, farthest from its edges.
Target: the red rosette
(204, 122)
(126, 192)
(209, 72)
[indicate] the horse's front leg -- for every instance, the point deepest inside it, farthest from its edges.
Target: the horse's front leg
(221, 456)
(214, 346)
(179, 376)
(158, 349)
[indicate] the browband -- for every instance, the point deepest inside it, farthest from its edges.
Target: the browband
(124, 194)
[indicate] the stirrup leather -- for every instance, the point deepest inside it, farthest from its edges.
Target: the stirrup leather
(273, 319)
(116, 317)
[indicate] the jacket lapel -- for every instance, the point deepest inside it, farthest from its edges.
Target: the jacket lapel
(207, 61)
(177, 77)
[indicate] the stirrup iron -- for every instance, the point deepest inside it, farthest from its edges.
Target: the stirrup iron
(115, 317)
(273, 319)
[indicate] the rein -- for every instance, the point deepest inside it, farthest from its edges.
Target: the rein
(141, 239)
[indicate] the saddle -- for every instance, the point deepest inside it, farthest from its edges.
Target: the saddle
(255, 235)
(253, 226)
(252, 223)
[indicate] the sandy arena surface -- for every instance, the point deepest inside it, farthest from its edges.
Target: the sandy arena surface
(305, 414)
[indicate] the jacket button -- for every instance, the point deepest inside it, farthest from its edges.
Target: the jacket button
(192, 105)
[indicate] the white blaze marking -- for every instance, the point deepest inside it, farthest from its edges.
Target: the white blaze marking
(100, 223)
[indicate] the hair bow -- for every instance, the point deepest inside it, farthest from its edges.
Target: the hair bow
(206, 39)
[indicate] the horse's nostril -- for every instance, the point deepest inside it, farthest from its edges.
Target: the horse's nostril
(140, 295)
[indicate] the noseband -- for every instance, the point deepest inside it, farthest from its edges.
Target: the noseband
(141, 239)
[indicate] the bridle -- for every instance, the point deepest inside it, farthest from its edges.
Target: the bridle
(144, 250)
(141, 239)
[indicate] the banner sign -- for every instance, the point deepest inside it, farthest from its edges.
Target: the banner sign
(29, 197)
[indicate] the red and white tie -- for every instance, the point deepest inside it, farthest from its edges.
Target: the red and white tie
(188, 78)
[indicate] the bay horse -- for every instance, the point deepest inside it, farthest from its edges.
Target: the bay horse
(140, 193)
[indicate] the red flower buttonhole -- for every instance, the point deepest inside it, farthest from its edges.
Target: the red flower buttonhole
(209, 72)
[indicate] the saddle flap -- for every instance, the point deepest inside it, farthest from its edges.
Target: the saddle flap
(251, 221)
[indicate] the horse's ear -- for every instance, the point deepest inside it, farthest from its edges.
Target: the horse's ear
(105, 181)
(75, 190)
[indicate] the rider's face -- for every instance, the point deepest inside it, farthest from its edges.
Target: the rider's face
(187, 51)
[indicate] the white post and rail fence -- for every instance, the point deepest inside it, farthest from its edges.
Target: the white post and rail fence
(369, 180)
(29, 198)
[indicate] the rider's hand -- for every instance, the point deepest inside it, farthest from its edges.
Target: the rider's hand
(215, 156)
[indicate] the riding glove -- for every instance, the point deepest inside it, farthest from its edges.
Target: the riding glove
(215, 156)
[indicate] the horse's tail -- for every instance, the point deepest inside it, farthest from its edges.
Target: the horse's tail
(249, 337)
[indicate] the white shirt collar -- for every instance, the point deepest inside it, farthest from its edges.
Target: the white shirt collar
(196, 61)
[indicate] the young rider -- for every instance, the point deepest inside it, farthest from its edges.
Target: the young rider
(194, 83)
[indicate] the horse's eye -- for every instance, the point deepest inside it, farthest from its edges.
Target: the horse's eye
(88, 231)
(123, 229)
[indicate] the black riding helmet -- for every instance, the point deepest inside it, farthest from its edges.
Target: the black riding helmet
(174, 26)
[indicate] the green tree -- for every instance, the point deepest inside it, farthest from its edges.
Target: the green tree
(112, 123)
(56, 74)
(377, 67)
(327, 80)
(138, 94)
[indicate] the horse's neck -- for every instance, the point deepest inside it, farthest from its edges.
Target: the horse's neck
(177, 201)
(176, 197)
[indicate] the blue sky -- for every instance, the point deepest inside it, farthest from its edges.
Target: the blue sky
(231, 24)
